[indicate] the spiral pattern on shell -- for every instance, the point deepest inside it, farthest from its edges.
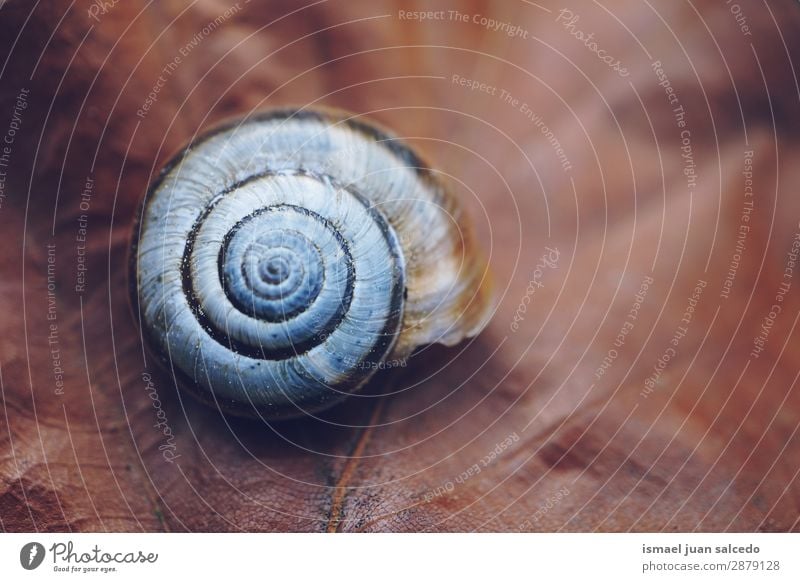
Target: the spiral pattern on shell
(281, 259)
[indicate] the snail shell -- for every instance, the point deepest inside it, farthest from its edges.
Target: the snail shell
(279, 262)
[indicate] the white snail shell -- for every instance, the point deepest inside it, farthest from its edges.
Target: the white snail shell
(280, 260)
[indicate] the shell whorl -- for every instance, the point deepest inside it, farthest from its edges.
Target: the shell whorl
(281, 260)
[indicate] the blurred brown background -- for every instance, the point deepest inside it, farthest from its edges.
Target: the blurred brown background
(706, 440)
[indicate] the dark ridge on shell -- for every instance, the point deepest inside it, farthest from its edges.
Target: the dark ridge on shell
(395, 145)
(369, 129)
(259, 353)
(387, 335)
